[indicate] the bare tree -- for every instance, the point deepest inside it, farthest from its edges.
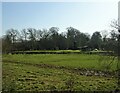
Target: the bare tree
(39, 34)
(24, 34)
(114, 45)
(13, 34)
(115, 24)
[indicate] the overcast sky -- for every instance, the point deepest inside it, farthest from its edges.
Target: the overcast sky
(84, 16)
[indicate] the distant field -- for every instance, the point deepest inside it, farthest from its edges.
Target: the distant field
(52, 51)
(69, 60)
(47, 52)
(36, 72)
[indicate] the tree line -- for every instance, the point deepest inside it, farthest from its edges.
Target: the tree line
(51, 39)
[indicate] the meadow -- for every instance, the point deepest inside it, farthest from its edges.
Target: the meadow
(61, 72)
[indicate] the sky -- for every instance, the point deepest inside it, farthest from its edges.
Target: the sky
(87, 17)
(119, 13)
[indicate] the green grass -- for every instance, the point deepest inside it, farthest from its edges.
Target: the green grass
(67, 60)
(18, 77)
(32, 77)
(51, 51)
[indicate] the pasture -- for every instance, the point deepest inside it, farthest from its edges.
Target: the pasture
(49, 72)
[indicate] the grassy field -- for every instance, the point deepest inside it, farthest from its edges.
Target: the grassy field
(61, 51)
(38, 72)
(67, 60)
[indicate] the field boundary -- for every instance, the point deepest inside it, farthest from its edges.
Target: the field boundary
(63, 52)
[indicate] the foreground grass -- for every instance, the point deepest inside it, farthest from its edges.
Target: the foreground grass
(33, 72)
(21, 77)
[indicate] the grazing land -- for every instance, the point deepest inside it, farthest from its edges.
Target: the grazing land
(55, 56)
(42, 72)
